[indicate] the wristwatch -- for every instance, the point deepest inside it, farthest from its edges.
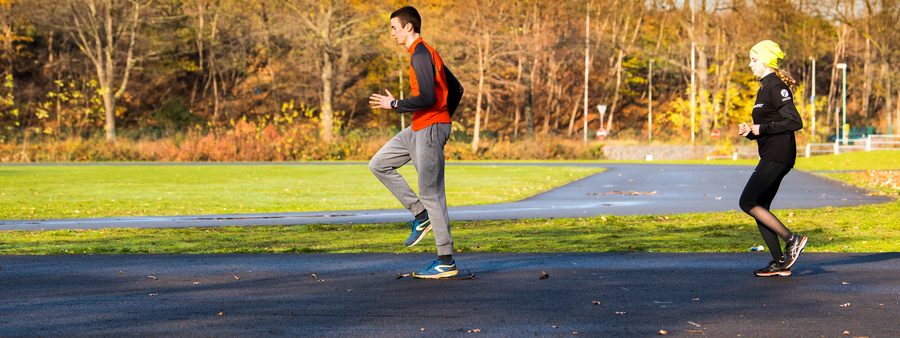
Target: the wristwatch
(393, 104)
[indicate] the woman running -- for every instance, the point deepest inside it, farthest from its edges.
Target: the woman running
(775, 119)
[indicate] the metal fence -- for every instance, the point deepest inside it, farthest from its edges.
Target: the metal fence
(868, 143)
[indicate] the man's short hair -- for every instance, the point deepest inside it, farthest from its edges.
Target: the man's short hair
(408, 15)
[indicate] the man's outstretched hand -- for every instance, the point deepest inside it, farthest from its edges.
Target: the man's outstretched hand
(381, 101)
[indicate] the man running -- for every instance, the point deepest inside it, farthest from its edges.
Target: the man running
(435, 95)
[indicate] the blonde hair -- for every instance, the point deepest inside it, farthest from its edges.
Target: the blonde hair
(786, 77)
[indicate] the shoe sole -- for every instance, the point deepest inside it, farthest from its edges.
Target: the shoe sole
(803, 241)
(427, 229)
(773, 274)
(437, 276)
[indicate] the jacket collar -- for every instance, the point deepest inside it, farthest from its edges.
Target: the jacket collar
(412, 47)
(765, 80)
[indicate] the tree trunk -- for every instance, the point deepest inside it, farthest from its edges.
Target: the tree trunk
(109, 105)
(518, 103)
(867, 82)
(703, 90)
(327, 113)
(213, 66)
(489, 100)
(529, 104)
(572, 119)
(838, 56)
(482, 45)
(888, 97)
(615, 102)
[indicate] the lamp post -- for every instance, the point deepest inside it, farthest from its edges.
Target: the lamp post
(812, 100)
(650, 103)
(845, 128)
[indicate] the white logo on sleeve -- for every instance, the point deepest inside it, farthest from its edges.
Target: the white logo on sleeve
(785, 95)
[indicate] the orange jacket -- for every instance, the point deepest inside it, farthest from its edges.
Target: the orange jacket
(428, 81)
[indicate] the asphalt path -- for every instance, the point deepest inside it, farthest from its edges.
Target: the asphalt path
(591, 295)
(624, 189)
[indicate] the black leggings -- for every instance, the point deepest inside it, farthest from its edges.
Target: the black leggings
(758, 196)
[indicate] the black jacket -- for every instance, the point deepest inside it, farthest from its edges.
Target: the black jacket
(778, 119)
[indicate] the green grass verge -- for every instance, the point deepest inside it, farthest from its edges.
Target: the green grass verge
(870, 228)
(36, 192)
(873, 160)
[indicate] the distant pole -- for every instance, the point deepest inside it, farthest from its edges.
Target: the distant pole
(650, 103)
(812, 99)
(400, 76)
(843, 68)
(837, 128)
(693, 91)
(587, 63)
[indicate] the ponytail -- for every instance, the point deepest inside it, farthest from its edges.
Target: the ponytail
(786, 77)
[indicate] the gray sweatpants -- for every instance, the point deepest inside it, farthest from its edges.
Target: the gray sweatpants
(426, 150)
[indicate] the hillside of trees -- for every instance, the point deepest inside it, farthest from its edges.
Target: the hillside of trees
(290, 79)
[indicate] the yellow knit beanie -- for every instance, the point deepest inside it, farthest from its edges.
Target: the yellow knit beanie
(769, 53)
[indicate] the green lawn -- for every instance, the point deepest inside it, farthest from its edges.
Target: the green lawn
(31, 192)
(873, 160)
(850, 229)
(870, 228)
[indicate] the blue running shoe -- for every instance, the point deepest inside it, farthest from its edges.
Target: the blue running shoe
(437, 270)
(419, 229)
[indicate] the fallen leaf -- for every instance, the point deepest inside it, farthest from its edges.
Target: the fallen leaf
(152, 277)
(845, 283)
(694, 331)
(555, 326)
(196, 283)
(574, 333)
(474, 331)
(153, 294)
(662, 332)
(422, 329)
(596, 302)
(220, 314)
(694, 324)
(120, 272)
(236, 277)
(620, 312)
(845, 305)
(846, 333)
(695, 299)
(544, 275)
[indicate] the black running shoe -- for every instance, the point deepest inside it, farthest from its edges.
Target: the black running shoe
(793, 249)
(775, 268)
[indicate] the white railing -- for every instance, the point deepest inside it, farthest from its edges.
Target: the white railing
(882, 142)
(869, 143)
(733, 157)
